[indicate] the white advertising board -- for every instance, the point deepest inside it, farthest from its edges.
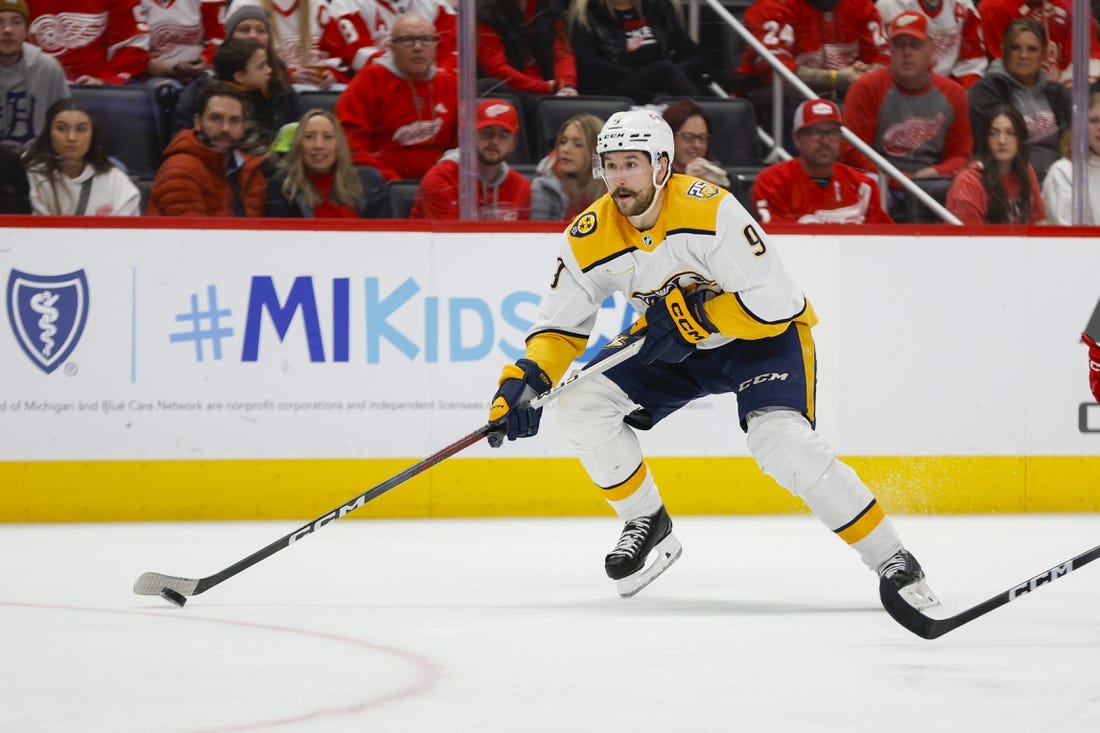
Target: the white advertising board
(135, 344)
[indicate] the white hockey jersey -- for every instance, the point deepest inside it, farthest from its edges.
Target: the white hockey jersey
(182, 30)
(703, 238)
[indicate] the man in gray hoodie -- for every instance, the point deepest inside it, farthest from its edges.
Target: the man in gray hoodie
(30, 80)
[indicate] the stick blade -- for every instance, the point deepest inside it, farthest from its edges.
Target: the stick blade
(909, 617)
(151, 584)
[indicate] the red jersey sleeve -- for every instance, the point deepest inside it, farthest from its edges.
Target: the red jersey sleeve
(861, 116)
(127, 42)
(960, 142)
(494, 62)
(873, 48)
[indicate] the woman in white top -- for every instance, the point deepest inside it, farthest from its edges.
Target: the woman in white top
(1058, 185)
(69, 172)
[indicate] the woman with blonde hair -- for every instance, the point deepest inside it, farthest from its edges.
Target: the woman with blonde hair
(565, 186)
(69, 172)
(317, 178)
(1058, 185)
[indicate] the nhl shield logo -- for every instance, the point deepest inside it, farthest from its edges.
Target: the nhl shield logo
(47, 314)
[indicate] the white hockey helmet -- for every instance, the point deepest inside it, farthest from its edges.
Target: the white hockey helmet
(636, 129)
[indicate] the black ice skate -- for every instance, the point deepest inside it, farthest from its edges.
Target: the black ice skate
(903, 574)
(641, 538)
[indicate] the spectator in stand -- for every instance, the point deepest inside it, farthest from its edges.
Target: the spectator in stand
(828, 44)
(317, 179)
(242, 63)
(503, 194)
(358, 31)
(250, 21)
(1017, 79)
(954, 28)
(295, 29)
(182, 36)
(1058, 185)
(564, 186)
(96, 41)
(691, 133)
(30, 80)
(523, 43)
(400, 114)
(913, 117)
(635, 48)
(203, 173)
(15, 191)
(68, 169)
(999, 186)
(1056, 18)
(814, 188)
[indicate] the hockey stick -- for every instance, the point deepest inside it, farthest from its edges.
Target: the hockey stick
(176, 589)
(932, 628)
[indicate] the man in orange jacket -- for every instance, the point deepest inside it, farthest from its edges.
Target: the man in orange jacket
(203, 173)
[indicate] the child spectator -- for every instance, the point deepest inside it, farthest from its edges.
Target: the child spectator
(400, 114)
(999, 186)
(564, 186)
(203, 173)
(317, 178)
(251, 21)
(634, 48)
(68, 169)
(523, 43)
(692, 136)
(502, 193)
(15, 191)
(30, 80)
(1058, 185)
(242, 63)
(96, 41)
(358, 31)
(955, 29)
(182, 36)
(1017, 78)
(814, 188)
(295, 28)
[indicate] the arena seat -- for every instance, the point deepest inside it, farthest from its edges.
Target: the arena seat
(129, 122)
(402, 193)
(314, 99)
(554, 110)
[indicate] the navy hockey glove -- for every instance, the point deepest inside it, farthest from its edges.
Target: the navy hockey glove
(519, 384)
(674, 325)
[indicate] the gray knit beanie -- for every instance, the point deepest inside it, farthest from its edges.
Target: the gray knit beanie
(246, 12)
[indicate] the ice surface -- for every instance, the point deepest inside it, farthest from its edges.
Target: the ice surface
(765, 624)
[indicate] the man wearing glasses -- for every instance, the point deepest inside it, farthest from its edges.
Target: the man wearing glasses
(359, 31)
(814, 188)
(400, 114)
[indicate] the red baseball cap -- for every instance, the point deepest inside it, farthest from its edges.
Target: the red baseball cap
(497, 112)
(813, 111)
(910, 23)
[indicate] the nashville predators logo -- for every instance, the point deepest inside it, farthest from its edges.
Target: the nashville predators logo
(584, 226)
(703, 190)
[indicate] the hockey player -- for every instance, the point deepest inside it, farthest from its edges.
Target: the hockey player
(720, 313)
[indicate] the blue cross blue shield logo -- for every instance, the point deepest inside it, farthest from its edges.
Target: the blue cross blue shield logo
(47, 314)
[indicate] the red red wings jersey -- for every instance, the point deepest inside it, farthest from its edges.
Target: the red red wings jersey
(785, 193)
(801, 35)
(1056, 16)
(183, 30)
(358, 31)
(106, 39)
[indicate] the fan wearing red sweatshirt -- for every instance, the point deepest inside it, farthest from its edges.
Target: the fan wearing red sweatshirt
(96, 41)
(400, 114)
(503, 194)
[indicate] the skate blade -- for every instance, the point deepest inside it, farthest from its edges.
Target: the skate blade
(919, 596)
(662, 556)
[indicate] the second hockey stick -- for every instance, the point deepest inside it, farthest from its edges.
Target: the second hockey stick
(177, 590)
(932, 628)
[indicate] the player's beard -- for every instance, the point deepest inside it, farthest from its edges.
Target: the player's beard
(641, 202)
